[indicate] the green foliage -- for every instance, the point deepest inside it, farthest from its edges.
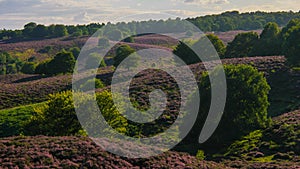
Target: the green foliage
(218, 44)
(93, 61)
(62, 63)
(242, 45)
(12, 120)
(246, 144)
(97, 83)
(122, 52)
(28, 68)
(129, 39)
(200, 155)
(184, 52)
(9, 65)
(233, 20)
(58, 117)
(42, 68)
(40, 31)
(115, 35)
(269, 43)
(291, 36)
(202, 45)
(75, 51)
(230, 20)
(60, 31)
(245, 109)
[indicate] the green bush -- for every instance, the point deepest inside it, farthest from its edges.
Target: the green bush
(245, 108)
(58, 117)
(12, 120)
(62, 63)
(122, 52)
(92, 82)
(200, 155)
(28, 68)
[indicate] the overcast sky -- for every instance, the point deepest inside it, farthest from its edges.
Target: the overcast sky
(15, 13)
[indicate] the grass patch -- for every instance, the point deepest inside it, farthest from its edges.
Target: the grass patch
(12, 120)
(264, 159)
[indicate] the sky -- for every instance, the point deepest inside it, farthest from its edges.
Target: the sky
(14, 14)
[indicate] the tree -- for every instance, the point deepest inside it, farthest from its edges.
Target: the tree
(75, 51)
(28, 29)
(63, 62)
(40, 31)
(93, 61)
(242, 45)
(42, 68)
(115, 35)
(217, 43)
(245, 109)
(269, 43)
(28, 68)
(292, 46)
(60, 31)
(88, 85)
(184, 52)
(58, 117)
(122, 52)
(129, 39)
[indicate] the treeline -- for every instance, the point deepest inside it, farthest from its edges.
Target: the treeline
(231, 20)
(273, 41)
(34, 30)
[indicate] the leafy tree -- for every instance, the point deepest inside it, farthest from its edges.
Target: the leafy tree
(11, 68)
(63, 62)
(269, 43)
(75, 51)
(292, 46)
(58, 117)
(129, 39)
(115, 35)
(242, 45)
(93, 61)
(60, 31)
(216, 42)
(28, 29)
(245, 109)
(42, 68)
(92, 82)
(8, 64)
(184, 52)
(28, 68)
(122, 52)
(40, 31)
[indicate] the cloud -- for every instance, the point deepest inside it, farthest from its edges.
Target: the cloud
(82, 18)
(205, 2)
(183, 13)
